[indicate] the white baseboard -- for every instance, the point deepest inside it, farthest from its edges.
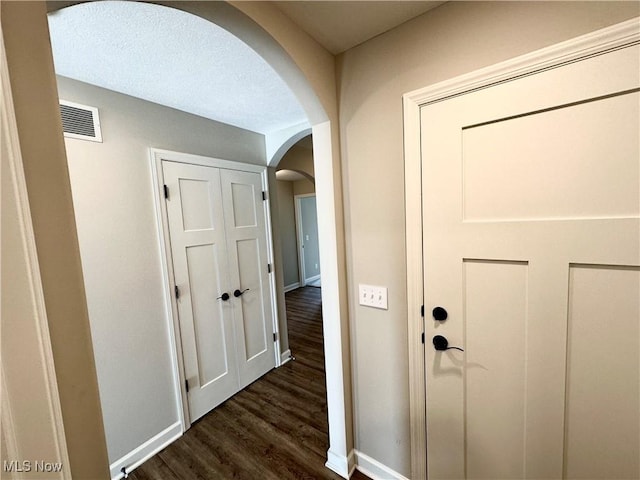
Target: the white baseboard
(312, 279)
(145, 451)
(374, 469)
(343, 466)
(293, 286)
(285, 357)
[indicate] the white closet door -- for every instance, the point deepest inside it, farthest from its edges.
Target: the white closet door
(249, 276)
(532, 244)
(201, 269)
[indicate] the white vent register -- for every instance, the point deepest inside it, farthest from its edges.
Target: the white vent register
(80, 121)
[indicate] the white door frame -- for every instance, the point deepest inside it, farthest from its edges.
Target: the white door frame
(300, 236)
(171, 307)
(594, 43)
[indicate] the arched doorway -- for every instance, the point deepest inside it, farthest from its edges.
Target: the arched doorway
(252, 24)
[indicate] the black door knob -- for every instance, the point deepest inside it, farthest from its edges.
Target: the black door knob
(441, 343)
(439, 314)
(224, 297)
(239, 293)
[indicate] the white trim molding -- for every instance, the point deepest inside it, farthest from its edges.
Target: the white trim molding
(343, 466)
(148, 449)
(374, 469)
(291, 287)
(311, 279)
(285, 357)
(596, 43)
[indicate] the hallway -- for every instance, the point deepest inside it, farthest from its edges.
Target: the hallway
(275, 429)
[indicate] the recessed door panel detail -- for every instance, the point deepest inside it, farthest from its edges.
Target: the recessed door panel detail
(555, 164)
(197, 206)
(602, 425)
(244, 212)
(495, 322)
(211, 349)
(253, 316)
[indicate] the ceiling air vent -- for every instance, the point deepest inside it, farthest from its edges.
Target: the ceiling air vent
(80, 121)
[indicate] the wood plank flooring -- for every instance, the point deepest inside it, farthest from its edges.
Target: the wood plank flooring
(275, 429)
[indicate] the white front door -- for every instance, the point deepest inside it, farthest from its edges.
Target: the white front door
(218, 247)
(531, 205)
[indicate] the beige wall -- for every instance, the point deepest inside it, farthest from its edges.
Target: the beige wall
(121, 259)
(287, 227)
(299, 159)
(30, 415)
(451, 40)
(30, 65)
(303, 187)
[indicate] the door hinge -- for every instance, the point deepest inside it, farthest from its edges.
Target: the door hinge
(422, 311)
(177, 292)
(422, 337)
(268, 268)
(275, 337)
(186, 385)
(264, 195)
(166, 192)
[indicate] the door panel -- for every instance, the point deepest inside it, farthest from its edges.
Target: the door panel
(557, 145)
(199, 253)
(255, 332)
(211, 350)
(244, 205)
(248, 259)
(495, 305)
(196, 205)
(531, 205)
(603, 368)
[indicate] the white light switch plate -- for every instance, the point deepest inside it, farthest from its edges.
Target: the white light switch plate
(373, 296)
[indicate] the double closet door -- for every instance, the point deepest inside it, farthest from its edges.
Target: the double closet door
(218, 236)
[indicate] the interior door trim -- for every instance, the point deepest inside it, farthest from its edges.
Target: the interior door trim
(157, 156)
(596, 43)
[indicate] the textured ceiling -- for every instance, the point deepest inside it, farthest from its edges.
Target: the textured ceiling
(172, 58)
(341, 25)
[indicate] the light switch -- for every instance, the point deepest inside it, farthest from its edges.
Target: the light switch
(373, 296)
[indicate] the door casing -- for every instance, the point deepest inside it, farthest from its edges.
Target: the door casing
(594, 43)
(156, 157)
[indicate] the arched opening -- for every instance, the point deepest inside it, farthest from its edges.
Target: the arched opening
(251, 33)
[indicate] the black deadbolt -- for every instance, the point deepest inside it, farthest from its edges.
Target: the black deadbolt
(439, 314)
(440, 342)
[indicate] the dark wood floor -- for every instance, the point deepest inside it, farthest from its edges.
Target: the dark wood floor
(275, 429)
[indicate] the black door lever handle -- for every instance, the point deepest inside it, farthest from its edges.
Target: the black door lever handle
(224, 297)
(441, 343)
(239, 293)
